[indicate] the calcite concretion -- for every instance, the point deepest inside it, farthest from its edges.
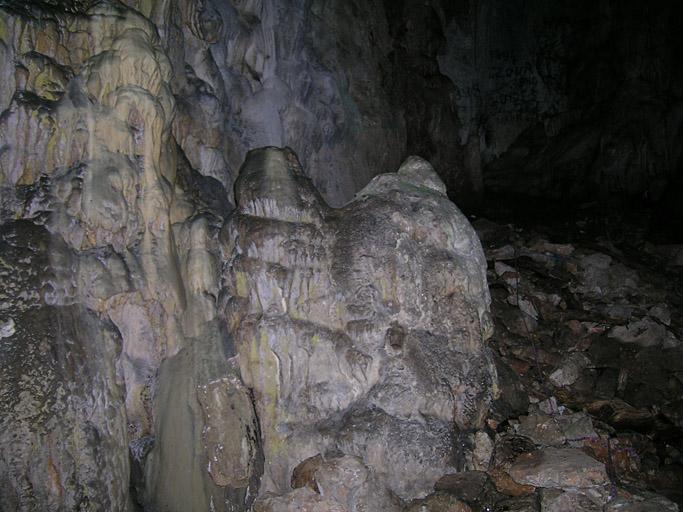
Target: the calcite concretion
(116, 374)
(63, 427)
(122, 125)
(360, 330)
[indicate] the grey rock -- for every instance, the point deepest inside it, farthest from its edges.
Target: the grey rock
(341, 325)
(542, 430)
(438, 502)
(562, 468)
(7, 328)
(302, 499)
(646, 333)
(673, 253)
(661, 312)
(570, 370)
(482, 451)
(346, 481)
(473, 487)
(513, 400)
(519, 504)
(417, 171)
(605, 280)
(649, 502)
(555, 500)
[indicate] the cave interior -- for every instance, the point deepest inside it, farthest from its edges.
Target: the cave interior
(339, 256)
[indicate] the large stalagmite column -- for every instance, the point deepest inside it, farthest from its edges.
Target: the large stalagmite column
(360, 330)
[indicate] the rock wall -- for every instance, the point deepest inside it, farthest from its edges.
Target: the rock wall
(129, 378)
(104, 378)
(63, 421)
(578, 101)
(302, 74)
(564, 101)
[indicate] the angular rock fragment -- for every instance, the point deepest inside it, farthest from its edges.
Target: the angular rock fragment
(346, 481)
(439, 502)
(561, 468)
(556, 430)
(298, 500)
(570, 370)
(473, 487)
(647, 503)
(555, 500)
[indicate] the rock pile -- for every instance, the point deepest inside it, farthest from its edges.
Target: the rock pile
(587, 344)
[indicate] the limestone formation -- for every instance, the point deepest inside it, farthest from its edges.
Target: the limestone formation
(63, 424)
(116, 155)
(182, 329)
(110, 277)
(121, 131)
(360, 330)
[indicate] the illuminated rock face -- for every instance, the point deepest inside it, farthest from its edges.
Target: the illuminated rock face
(139, 332)
(360, 330)
(117, 365)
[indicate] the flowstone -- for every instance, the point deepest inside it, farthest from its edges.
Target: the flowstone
(361, 330)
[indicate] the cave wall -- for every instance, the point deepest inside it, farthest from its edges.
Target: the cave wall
(123, 128)
(560, 101)
(98, 194)
(570, 101)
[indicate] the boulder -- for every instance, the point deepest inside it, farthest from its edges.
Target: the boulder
(561, 468)
(361, 329)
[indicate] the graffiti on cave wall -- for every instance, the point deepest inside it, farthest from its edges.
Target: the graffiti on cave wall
(509, 81)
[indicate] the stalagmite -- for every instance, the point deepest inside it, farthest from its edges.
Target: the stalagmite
(360, 330)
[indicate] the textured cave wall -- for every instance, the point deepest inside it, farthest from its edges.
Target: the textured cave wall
(426, 96)
(575, 101)
(560, 101)
(133, 290)
(352, 87)
(104, 381)
(303, 74)
(122, 129)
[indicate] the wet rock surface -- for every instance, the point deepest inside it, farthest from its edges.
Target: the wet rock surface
(63, 437)
(110, 277)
